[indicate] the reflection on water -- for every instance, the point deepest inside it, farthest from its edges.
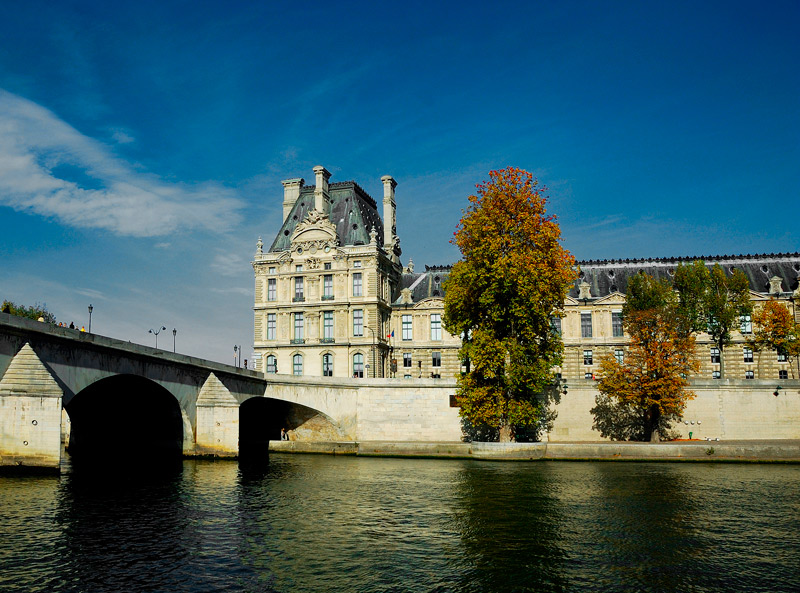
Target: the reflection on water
(319, 523)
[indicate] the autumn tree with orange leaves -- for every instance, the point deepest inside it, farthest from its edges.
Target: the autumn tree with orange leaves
(513, 275)
(775, 329)
(642, 395)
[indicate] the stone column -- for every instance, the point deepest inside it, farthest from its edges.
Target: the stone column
(30, 413)
(217, 420)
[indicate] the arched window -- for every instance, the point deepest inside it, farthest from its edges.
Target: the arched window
(327, 365)
(297, 364)
(272, 364)
(358, 366)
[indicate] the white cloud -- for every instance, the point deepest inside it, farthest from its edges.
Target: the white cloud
(229, 263)
(35, 148)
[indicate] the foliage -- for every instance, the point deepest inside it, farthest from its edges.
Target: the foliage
(647, 391)
(725, 299)
(513, 275)
(31, 312)
(774, 328)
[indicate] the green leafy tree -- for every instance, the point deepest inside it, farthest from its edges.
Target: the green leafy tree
(641, 396)
(31, 312)
(726, 299)
(513, 275)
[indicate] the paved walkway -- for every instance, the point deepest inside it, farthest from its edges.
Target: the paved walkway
(785, 451)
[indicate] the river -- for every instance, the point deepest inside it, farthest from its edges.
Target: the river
(322, 523)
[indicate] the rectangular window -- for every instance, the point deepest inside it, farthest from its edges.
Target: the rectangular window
(272, 364)
(619, 354)
(436, 326)
(616, 324)
(748, 375)
(356, 264)
(327, 265)
(555, 325)
(298, 289)
(715, 355)
(271, 289)
(270, 326)
(587, 357)
(748, 354)
(298, 327)
(327, 287)
(436, 359)
(358, 289)
(783, 374)
(272, 270)
(327, 326)
(407, 328)
(407, 360)
(297, 364)
(715, 374)
(586, 325)
(298, 268)
(358, 322)
(782, 357)
(746, 324)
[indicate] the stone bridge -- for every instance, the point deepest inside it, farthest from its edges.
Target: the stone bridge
(101, 395)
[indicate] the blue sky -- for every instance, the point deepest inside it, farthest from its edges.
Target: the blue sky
(142, 144)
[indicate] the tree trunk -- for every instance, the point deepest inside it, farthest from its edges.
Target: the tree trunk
(721, 361)
(506, 434)
(653, 417)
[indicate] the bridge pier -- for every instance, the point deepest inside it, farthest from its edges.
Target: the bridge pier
(30, 413)
(217, 420)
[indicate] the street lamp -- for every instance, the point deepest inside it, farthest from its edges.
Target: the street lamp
(90, 318)
(237, 350)
(155, 333)
(373, 351)
(174, 333)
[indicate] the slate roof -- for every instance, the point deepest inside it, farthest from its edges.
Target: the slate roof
(353, 211)
(607, 276)
(427, 284)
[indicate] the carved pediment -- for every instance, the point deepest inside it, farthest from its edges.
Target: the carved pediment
(315, 230)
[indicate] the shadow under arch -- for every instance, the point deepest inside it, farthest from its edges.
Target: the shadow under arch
(261, 420)
(125, 417)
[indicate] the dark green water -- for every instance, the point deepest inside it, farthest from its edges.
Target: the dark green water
(320, 523)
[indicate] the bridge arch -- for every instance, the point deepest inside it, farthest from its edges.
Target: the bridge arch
(126, 417)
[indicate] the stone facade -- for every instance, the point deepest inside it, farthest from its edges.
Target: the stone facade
(333, 240)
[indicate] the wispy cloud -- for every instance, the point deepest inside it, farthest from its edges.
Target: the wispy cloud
(229, 264)
(39, 153)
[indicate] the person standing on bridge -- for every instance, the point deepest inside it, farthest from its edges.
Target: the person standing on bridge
(284, 436)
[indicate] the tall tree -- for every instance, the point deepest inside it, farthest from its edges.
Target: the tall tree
(513, 275)
(774, 328)
(644, 393)
(725, 300)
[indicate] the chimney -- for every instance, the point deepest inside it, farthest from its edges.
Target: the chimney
(291, 191)
(389, 212)
(322, 200)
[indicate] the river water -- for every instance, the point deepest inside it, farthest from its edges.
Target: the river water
(322, 523)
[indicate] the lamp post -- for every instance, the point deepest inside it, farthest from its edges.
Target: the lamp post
(237, 351)
(90, 318)
(155, 333)
(174, 333)
(373, 351)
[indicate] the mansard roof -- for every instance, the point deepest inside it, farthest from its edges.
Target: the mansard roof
(353, 211)
(424, 285)
(608, 276)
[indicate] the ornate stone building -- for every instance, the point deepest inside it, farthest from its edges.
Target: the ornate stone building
(332, 298)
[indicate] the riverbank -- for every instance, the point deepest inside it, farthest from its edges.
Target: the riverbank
(763, 451)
